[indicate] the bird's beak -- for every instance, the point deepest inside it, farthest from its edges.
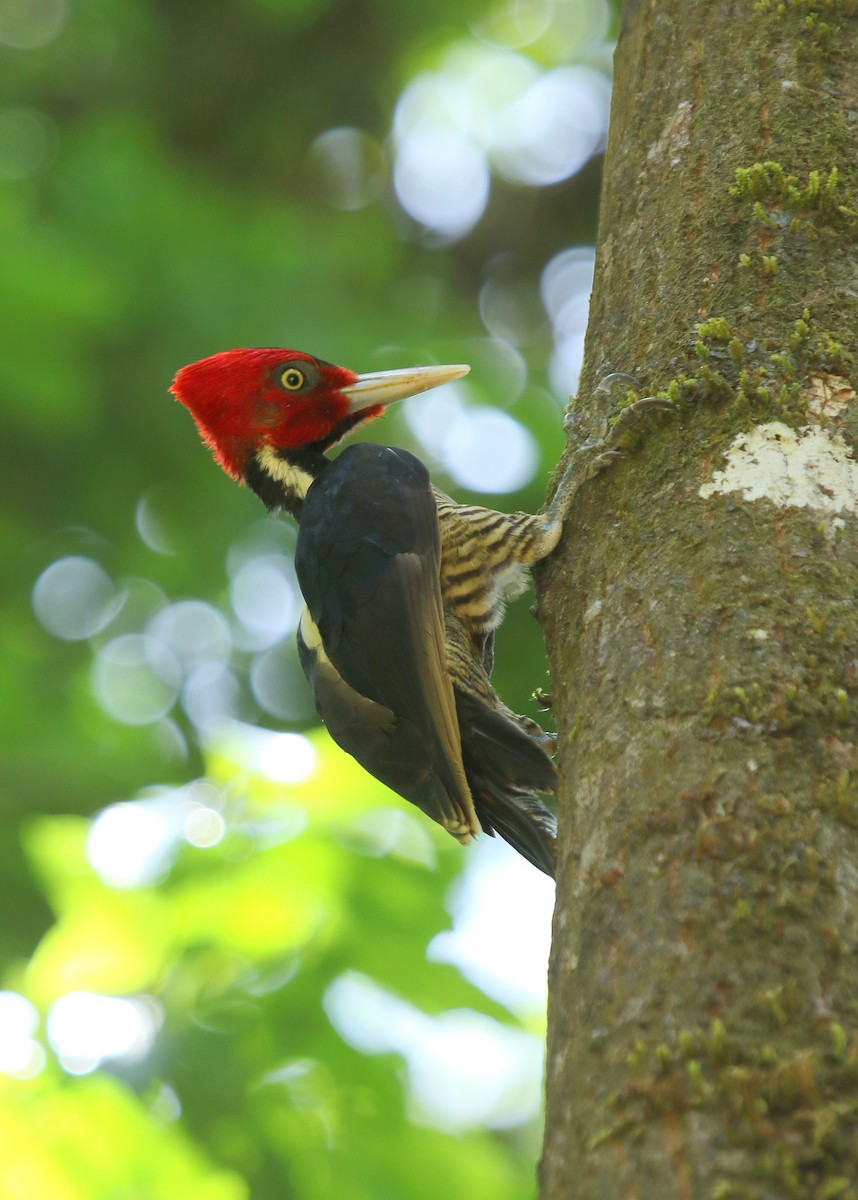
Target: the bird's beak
(384, 387)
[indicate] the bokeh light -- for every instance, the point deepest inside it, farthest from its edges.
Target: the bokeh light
(566, 283)
(264, 596)
(136, 678)
(203, 827)
(195, 632)
(489, 451)
(480, 447)
(350, 167)
(552, 130)
(27, 141)
(394, 831)
(511, 310)
(85, 1029)
(20, 1054)
(464, 1069)
(150, 524)
(431, 415)
(211, 696)
(28, 24)
(514, 23)
(502, 368)
(285, 757)
(129, 843)
(138, 600)
(74, 598)
(259, 539)
(486, 108)
(133, 843)
(278, 683)
(442, 180)
(501, 932)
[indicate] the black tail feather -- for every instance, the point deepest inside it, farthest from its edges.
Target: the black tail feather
(514, 754)
(507, 768)
(522, 820)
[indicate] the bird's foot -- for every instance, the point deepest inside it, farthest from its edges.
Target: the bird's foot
(597, 452)
(548, 742)
(584, 429)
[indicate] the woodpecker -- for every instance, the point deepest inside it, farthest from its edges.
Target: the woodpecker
(404, 588)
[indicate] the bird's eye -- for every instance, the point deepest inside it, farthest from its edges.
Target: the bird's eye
(292, 379)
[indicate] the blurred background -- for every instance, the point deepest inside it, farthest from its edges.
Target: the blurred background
(231, 964)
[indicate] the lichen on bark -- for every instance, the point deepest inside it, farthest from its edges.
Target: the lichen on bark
(703, 1029)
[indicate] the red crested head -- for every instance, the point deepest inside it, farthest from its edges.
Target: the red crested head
(245, 400)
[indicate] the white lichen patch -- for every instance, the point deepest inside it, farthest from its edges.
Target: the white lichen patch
(800, 468)
(674, 137)
(592, 611)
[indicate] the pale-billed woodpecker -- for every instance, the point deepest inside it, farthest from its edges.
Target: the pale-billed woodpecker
(404, 587)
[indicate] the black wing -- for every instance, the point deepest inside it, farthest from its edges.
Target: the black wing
(367, 560)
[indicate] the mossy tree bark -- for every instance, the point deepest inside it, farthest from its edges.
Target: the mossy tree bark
(702, 623)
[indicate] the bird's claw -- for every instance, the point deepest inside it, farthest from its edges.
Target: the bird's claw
(573, 421)
(609, 447)
(654, 402)
(606, 457)
(628, 416)
(607, 381)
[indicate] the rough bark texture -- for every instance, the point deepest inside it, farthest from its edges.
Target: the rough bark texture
(703, 1014)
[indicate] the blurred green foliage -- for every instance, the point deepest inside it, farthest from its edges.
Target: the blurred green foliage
(173, 210)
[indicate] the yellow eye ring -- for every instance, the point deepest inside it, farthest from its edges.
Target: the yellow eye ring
(292, 379)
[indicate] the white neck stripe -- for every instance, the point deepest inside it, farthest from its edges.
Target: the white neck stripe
(293, 479)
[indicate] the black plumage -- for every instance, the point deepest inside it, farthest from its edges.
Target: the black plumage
(375, 646)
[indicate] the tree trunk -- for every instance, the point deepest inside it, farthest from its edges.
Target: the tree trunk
(702, 626)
